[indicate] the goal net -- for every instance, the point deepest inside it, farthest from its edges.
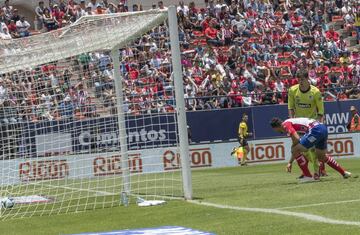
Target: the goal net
(91, 116)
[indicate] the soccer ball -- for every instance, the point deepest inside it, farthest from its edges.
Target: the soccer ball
(7, 203)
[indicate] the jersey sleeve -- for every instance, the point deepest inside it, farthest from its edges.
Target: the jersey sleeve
(239, 130)
(291, 101)
(319, 102)
(290, 130)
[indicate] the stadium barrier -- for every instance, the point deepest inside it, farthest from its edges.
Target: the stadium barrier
(202, 156)
(222, 125)
(54, 138)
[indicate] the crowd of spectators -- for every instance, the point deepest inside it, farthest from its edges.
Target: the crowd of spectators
(12, 24)
(234, 53)
(250, 52)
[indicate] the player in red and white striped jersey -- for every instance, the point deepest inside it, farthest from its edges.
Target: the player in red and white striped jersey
(315, 135)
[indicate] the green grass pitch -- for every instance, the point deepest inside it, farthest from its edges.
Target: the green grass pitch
(257, 186)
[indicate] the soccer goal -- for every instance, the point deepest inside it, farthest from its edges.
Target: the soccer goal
(92, 116)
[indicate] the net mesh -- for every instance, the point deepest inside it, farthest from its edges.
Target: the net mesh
(59, 127)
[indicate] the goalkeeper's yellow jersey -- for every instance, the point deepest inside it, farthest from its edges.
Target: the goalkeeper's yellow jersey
(243, 130)
(308, 104)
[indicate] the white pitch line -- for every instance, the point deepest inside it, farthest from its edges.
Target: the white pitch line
(80, 189)
(318, 204)
(311, 217)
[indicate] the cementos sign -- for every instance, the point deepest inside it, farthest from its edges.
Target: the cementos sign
(161, 160)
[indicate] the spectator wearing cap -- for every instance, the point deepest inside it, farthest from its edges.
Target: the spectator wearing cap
(22, 27)
(66, 108)
(15, 15)
(354, 124)
(58, 15)
(88, 11)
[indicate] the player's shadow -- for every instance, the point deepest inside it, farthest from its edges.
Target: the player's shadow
(296, 182)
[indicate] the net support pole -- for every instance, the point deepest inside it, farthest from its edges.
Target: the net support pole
(121, 122)
(180, 103)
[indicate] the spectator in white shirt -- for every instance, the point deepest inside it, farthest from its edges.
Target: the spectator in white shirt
(23, 27)
(79, 12)
(279, 85)
(346, 8)
(93, 5)
(182, 7)
(5, 34)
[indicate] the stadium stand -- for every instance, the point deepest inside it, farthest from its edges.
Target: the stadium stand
(234, 54)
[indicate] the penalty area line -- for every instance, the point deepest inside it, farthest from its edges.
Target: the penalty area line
(311, 217)
(318, 204)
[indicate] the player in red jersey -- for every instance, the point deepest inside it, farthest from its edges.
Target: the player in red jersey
(315, 135)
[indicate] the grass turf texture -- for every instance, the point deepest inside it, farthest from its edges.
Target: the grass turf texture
(261, 186)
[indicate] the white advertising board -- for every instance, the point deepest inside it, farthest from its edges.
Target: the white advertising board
(161, 159)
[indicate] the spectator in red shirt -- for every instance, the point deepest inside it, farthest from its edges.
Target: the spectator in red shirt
(205, 23)
(58, 15)
(235, 96)
(332, 34)
(221, 58)
(12, 29)
(133, 72)
(212, 35)
(250, 14)
(296, 20)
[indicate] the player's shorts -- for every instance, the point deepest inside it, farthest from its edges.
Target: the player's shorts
(317, 136)
(243, 142)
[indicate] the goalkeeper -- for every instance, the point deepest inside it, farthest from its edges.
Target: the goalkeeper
(305, 100)
(243, 133)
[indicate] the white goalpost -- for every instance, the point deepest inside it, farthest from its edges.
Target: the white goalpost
(93, 116)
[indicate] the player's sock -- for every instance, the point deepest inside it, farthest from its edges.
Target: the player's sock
(322, 170)
(243, 159)
(333, 164)
(303, 164)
